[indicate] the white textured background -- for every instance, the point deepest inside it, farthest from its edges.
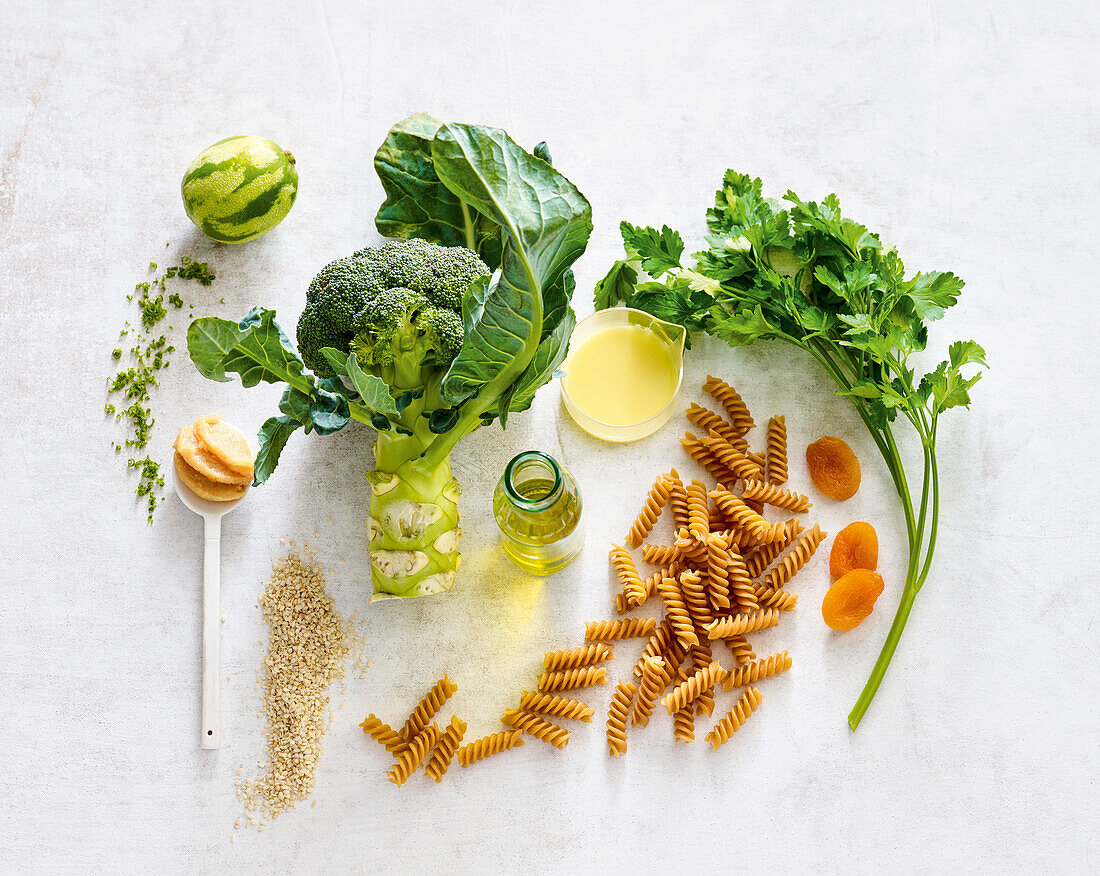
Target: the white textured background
(965, 131)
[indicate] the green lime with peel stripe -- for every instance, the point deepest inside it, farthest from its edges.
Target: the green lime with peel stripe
(240, 188)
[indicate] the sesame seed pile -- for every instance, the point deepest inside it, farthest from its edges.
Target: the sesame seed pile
(307, 647)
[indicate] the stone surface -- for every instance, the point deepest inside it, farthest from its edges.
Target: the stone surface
(966, 132)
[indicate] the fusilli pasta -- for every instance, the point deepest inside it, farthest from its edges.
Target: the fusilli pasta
(741, 649)
(739, 624)
(744, 593)
(688, 691)
(655, 502)
(717, 572)
(732, 459)
(616, 717)
(736, 409)
(492, 744)
(556, 706)
(627, 572)
(698, 518)
(654, 679)
(677, 612)
(694, 591)
(772, 495)
(426, 709)
(677, 499)
(765, 554)
(684, 724)
(709, 421)
(770, 597)
(660, 554)
(445, 749)
(775, 469)
(572, 679)
(750, 673)
(413, 756)
(706, 457)
(734, 718)
(381, 732)
(537, 726)
(625, 628)
(575, 658)
(799, 555)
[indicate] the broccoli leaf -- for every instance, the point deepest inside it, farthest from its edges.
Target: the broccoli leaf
(418, 204)
(256, 348)
(545, 223)
(550, 354)
(373, 390)
(274, 434)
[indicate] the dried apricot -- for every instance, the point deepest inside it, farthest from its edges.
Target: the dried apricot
(851, 599)
(834, 468)
(855, 547)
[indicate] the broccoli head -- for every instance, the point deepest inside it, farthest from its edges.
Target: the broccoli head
(396, 305)
(400, 331)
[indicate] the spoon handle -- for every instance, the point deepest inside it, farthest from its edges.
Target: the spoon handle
(211, 621)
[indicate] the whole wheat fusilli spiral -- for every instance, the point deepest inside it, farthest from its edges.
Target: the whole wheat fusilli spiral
(777, 497)
(765, 554)
(652, 683)
(492, 744)
(693, 587)
(445, 749)
(426, 709)
(744, 592)
(627, 572)
(654, 504)
(677, 499)
(728, 397)
(555, 706)
(616, 717)
(572, 679)
(625, 628)
(537, 726)
(709, 421)
(741, 649)
(775, 469)
(575, 658)
(688, 691)
(718, 587)
(413, 756)
(734, 718)
(750, 673)
(381, 732)
(677, 612)
(739, 624)
(799, 555)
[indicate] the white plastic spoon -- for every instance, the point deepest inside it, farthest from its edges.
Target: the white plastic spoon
(212, 514)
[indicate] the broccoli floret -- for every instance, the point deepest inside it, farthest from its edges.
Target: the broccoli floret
(399, 298)
(400, 332)
(442, 273)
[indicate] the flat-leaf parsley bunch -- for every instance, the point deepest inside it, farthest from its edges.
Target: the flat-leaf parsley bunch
(802, 273)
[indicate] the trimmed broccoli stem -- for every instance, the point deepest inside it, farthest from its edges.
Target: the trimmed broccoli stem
(413, 520)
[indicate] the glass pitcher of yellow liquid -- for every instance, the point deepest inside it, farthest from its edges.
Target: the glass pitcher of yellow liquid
(623, 373)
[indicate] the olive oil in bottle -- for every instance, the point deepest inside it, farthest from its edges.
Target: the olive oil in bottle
(538, 508)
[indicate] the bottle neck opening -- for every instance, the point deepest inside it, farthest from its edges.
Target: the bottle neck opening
(533, 481)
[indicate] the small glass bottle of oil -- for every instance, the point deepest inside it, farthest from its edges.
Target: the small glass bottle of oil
(538, 508)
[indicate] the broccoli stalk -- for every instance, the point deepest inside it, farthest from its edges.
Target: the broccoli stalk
(425, 342)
